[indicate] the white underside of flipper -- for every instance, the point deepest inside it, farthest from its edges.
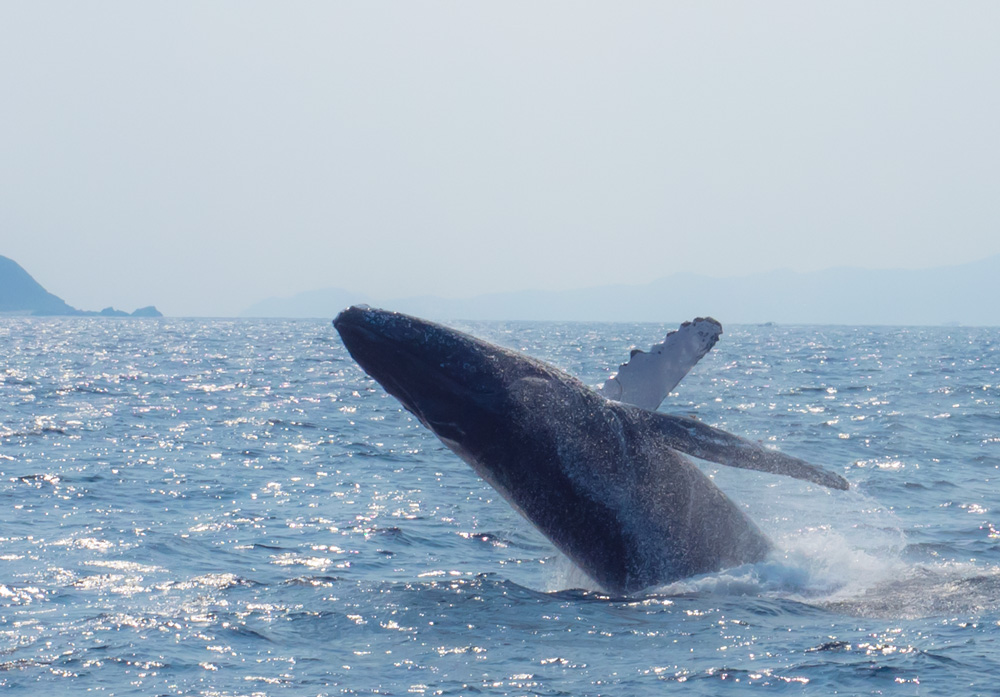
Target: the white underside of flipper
(648, 377)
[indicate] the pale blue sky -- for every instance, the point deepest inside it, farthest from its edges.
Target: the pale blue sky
(202, 156)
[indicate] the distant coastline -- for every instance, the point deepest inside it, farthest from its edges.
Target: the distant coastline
(962, 295)
(22, 296)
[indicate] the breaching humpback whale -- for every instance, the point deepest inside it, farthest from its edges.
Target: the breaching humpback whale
(605, 481)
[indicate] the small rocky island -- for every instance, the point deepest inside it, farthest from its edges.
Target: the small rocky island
(20, 294)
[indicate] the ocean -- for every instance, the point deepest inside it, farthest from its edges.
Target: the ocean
(231, 507)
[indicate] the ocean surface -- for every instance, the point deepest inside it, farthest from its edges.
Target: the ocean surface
(221, 507)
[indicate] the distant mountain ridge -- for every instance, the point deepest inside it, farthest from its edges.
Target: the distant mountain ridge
(965, 294)
(20, 294)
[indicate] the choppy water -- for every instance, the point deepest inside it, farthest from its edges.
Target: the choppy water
(232, 507)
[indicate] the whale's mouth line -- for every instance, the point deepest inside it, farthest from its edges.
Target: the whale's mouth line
(342, 324)
(394, 352)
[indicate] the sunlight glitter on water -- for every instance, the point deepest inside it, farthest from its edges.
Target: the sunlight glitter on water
(164, 539)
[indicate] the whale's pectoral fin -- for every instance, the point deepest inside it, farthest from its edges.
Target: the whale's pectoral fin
(648, 376)
(707, 443)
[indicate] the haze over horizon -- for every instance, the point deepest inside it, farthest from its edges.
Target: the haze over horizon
(203, 157)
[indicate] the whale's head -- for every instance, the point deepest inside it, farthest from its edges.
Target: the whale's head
(452, 382)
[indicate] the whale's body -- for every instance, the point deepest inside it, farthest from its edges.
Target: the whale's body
(603, 480)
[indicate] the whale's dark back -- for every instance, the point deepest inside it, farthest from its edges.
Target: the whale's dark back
(589, 473)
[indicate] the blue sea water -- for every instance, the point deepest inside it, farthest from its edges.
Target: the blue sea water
(233, 508)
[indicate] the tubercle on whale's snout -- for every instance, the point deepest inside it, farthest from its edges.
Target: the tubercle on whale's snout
(382, 323)
(361, 325)
(351, 315)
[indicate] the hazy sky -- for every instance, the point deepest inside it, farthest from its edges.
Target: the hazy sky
(204, 155)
